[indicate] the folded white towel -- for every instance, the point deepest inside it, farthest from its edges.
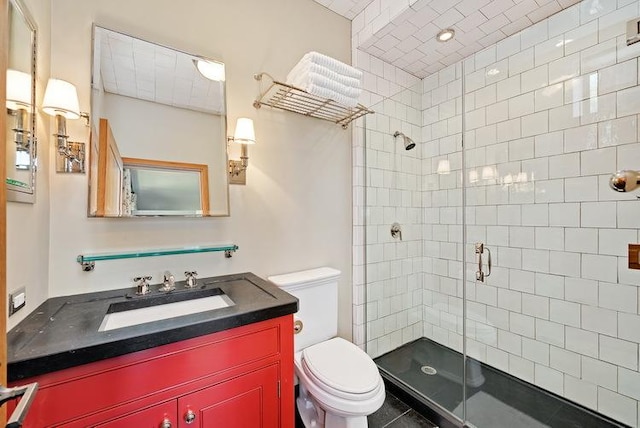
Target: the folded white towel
(303, 80)
(332, 95)
(305, 67)
(332, 64)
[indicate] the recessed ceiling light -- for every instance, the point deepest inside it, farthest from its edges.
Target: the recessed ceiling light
(212, 70)
(445, 35)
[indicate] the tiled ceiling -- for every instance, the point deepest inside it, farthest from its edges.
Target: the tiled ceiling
(407, 39)
(135, 68)
(347, 8)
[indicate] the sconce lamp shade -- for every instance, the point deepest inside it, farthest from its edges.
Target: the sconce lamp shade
(212, 70)
(61, 98)
(245, 133)
(18, 90)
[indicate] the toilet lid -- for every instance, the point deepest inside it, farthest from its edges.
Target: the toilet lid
(342, 366)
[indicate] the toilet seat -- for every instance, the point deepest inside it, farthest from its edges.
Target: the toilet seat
(341, 369)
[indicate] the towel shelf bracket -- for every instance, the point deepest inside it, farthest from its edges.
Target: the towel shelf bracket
(286, 97)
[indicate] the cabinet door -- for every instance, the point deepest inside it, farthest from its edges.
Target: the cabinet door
(163, 415)
(250, 400)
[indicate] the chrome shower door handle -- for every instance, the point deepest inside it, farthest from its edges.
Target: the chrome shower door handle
(480, 275)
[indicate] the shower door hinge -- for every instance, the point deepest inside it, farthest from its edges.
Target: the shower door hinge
(633, 31)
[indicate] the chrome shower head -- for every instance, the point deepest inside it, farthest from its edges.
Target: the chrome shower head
(625, 180)
(408, 142)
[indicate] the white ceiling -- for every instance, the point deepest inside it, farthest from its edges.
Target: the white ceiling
(407, 40)
(139, 69)
(347, 8)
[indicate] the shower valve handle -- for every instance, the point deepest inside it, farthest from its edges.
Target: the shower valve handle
(396, 231)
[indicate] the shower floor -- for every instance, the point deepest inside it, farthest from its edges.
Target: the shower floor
(495, 398)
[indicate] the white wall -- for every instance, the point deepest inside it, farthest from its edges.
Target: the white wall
(387, 274)
(294, 213)
(28, 224)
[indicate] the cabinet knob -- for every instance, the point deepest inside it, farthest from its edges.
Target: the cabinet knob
(166, 423)
(190, 416)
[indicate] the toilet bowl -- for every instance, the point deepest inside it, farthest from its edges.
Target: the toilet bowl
(339, 383)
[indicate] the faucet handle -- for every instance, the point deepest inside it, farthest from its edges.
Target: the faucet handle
(191, 278)
(168, 282)
(142, 286)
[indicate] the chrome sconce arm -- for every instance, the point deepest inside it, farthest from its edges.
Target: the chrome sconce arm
(71, 155)
(21, 134)
(244, 135)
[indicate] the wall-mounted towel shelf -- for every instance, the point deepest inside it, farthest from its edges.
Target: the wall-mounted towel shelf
(88, 260)
(286, 97)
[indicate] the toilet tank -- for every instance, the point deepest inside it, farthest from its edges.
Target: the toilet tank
(317, 293)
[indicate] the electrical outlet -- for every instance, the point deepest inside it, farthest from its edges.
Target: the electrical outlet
(17, 300)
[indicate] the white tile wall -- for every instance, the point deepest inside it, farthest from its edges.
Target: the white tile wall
(561, 309)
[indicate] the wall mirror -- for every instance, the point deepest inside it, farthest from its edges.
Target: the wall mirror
(158, 131)
(20, 109)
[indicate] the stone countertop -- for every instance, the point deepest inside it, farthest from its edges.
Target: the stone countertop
(63, 331)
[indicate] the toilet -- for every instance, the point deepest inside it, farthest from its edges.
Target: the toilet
(339, 383)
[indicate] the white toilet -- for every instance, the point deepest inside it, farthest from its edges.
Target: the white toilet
(339, 383)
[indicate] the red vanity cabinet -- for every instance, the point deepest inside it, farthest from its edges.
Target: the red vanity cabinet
(242, 377)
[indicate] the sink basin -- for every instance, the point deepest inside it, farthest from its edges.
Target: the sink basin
(148, 309)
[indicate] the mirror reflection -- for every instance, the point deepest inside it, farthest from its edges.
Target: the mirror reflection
(20, 107)
(158, 132)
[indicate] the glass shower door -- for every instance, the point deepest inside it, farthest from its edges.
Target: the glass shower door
(550, 113)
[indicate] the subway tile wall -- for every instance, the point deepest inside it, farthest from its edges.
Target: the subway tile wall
(550, 113)
(387, 272)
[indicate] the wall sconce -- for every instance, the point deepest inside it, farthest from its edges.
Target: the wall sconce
(19, 104)
(61, 101)
(244, 136)
(444, 167)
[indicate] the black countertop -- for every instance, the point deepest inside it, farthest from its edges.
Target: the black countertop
(63, 331)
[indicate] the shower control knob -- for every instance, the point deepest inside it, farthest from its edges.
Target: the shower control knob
(396, 231)
(625, 181)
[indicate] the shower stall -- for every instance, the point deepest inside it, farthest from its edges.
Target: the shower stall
(499, 288)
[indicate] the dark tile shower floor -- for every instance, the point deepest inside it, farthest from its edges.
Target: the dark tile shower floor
(495, 399)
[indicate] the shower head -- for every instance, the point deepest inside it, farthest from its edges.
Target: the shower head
(625, 180)
(408, 142)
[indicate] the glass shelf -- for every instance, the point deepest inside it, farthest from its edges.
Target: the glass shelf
(88, 260)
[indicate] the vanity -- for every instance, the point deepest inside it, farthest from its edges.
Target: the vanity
(227, 366)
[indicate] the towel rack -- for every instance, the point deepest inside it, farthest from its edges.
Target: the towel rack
(286, 97)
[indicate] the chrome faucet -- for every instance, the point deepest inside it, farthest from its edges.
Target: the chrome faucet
(142, 286)
(169, 282)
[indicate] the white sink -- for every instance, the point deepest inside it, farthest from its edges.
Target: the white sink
(163, 311)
